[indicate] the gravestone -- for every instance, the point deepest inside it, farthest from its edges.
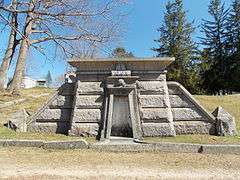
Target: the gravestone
(124, 98)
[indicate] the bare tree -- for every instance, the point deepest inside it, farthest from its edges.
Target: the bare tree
(12, 43)
(63, 22)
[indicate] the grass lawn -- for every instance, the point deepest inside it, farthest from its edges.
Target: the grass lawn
(33, 102)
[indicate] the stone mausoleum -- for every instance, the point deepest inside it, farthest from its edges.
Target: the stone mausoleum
(123, 98)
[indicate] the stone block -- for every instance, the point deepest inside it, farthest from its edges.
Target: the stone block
(23, 143)
(177, 147)
(18, 121)
(63, 102)
(80, 144)
(87, 115)
(57, 127)
(226, 125)
(154, 115)
(67, 89)
(180, 101)
(89, 101)
(173, 90)
(150, 76)
(152, 101)
(194, 127)
(90, 87)
(221, 149)
(187, 114)
(151, 87)
(84, 129)
(55, 114)
(158, 130)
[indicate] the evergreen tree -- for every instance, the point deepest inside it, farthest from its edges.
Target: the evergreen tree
(49, 79)
(176, 41)
(121, 52)
(233, 46)
(214, 78)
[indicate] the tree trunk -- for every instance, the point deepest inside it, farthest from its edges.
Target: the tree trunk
(12, 43)
(16, 83)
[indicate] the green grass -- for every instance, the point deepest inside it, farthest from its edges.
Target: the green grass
(230, 103)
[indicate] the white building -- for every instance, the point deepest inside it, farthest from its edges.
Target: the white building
(28, 82)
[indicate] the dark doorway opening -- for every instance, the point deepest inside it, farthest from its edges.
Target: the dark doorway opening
(121, 119)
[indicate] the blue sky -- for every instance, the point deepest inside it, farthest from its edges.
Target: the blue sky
(144, 19)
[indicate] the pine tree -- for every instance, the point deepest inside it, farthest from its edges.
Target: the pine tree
(121, 52)
(233, 46)
(176, 41)
(49, 79)
(214, 78)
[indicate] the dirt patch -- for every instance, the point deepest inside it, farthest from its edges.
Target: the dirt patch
(30, 163)
(116, 172)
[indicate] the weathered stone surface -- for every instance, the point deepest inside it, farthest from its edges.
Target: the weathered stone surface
(59, 127)
(186, 114)
(84, 129)
(154, 115)
(147, 147)
(80, 144)
(90, 88)
(152, 101)
(158, 129)
(226, 125)
(194, 127)
(67, 89)
(180, 101)
(62, 102)
(57, 114)
(151, 87)
(18, 121)
(173, 90)
(157, 76)
(87, 115)
(221, 149)
(23, 143)
(89, 101)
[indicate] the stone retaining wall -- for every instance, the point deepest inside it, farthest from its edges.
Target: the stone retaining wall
(132, 147)
(55, 115)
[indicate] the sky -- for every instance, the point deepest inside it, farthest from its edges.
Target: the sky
(144, 18)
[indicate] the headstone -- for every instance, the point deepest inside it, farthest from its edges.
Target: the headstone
(225, 122)
(18, 121)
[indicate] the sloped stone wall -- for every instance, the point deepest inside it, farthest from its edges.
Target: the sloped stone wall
(55, 115)
(188, 115)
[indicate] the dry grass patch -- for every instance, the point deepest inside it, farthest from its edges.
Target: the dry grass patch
(9, 134)
(31, 103)
(230, 103)
(39, 163)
